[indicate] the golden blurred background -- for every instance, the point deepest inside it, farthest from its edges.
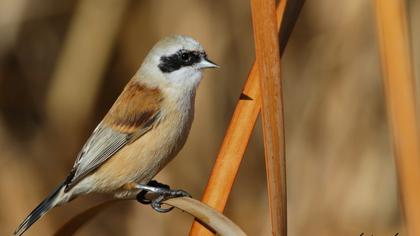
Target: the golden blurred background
(63, 63)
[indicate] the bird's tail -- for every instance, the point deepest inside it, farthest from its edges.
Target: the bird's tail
(51, 201)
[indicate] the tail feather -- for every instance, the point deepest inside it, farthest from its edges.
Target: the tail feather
(40, 210)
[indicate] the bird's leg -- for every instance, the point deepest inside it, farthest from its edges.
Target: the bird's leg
(163, 193)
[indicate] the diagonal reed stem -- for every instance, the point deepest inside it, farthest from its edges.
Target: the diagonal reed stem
(400, 97)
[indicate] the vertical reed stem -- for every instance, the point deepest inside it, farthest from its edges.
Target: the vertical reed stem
(268, 61)
(400, 97)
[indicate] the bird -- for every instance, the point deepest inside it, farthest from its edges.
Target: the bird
(144, 129)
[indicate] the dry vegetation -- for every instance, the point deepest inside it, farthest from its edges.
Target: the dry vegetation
(340, 172)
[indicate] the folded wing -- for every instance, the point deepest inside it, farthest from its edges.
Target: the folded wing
(135, 112)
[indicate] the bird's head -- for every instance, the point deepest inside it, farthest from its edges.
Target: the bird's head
(176, 61)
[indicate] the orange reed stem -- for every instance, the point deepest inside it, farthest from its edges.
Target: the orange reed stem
(400, 97)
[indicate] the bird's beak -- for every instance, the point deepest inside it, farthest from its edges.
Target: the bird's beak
(206, 63)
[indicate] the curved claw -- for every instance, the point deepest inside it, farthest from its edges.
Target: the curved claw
(163, 192)
(157, 205)
(179, 193)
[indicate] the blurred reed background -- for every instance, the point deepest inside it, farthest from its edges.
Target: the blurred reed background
(63, 63)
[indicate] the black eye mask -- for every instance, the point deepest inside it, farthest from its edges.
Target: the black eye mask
(180, 59)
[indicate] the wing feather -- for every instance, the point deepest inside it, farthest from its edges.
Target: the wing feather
(134, 113)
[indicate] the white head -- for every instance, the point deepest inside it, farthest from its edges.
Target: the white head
(175, 61)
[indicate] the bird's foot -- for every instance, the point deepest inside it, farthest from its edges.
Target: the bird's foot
(163, 193)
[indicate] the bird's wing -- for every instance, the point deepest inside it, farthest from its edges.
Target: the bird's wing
(135, 112)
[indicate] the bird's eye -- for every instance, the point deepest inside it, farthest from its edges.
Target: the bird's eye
(185, 56)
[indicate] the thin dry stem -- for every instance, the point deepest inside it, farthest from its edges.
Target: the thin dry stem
(209, 217)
